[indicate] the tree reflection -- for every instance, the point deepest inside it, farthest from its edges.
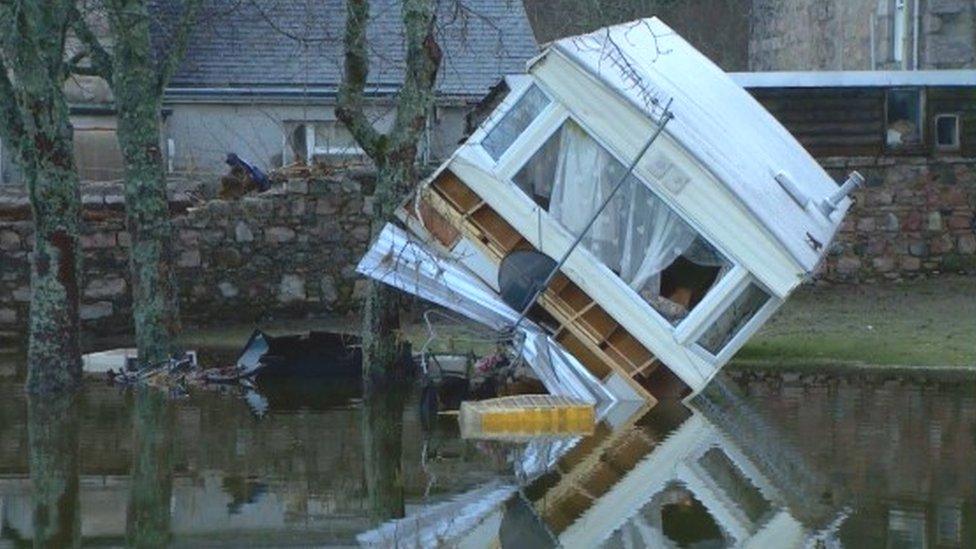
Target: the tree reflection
(383, 452)
(53, 438)
(148, 518)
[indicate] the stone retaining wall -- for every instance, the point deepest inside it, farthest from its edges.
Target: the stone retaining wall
(914, 217)
(290, 252)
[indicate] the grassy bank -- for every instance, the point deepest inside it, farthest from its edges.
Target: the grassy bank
(924, 323)
(917, 323)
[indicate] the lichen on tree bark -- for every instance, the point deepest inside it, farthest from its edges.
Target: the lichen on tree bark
(394, 153)
(137, 80)
(34, 121)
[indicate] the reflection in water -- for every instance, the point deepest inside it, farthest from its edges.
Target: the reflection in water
(770, 461)
(382, 453)
(151, 480)
(670, 477)
(53, 435)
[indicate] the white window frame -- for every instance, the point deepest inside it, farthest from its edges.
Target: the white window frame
(748, 329)
(311, 149)
(958, 134)
(547, 123)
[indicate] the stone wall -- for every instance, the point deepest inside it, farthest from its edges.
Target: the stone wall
(290, 252)
(793, 35)
(914, 217)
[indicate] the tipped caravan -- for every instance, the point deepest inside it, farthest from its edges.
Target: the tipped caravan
(684, 249)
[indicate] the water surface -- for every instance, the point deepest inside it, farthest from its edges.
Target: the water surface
(768, 460)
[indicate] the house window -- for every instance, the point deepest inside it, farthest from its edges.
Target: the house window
(318, 139)
(903, 118)
(514, 122)
(638, 236)
(948, 525)
(906, 528)
(742, 309)
(947, 132)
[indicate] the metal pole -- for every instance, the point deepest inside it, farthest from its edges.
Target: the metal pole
(665, 118)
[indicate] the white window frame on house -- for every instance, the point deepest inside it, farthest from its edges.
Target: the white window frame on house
(957, 135)
(311, 149)
(718, 298)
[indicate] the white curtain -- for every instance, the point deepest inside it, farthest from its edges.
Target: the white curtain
(656, 236)
(637, 235)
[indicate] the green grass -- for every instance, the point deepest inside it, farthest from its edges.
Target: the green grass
(930, 323)
(924, 323)
(450, 336)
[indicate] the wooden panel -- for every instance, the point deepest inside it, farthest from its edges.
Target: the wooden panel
(596, 366)
(830, 121)
(494, 227)
(436, 224)
(456, 192)
(961, 101)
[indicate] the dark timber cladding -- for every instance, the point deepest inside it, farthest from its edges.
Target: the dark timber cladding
(954, 100)
(571, 316)
(850, 121)
(830, 121)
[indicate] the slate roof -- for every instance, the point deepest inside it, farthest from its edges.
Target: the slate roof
(298, 43)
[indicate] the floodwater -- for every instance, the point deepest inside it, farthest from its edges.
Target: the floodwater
(771, 460)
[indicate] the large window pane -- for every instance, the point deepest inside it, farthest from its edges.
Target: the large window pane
(904, 118)
(743, 308)
(638, 236)
(525, 110)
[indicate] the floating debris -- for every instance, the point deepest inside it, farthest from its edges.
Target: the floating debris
(526, 415)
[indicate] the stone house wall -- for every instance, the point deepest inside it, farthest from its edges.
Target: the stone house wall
(914, 217)
(290, 252)
(799, 35)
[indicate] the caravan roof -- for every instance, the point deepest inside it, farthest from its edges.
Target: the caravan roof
(720, 124)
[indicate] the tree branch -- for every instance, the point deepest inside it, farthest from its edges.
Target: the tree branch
(174, 56)
(101, 60)
(423, 57)
(11, 124)
(349, 105)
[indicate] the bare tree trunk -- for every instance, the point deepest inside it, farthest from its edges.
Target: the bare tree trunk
(138, 82)
(138, 99)
(34, 119)
(394, 154)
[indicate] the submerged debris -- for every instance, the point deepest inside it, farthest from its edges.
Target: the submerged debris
(264, 357)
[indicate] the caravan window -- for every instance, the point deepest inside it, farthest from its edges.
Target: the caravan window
(514, 122)
(638, 236)
(742, 309)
